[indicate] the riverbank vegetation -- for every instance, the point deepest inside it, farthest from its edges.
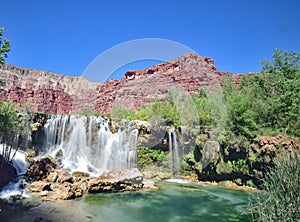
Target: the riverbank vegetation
(281, 201)
(8, 130)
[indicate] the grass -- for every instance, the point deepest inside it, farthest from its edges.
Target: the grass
(281, 199)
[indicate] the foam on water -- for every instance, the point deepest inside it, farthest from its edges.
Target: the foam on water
(175, 180)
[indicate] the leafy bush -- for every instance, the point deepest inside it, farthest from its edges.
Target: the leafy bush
(281, 199)
(149, 156)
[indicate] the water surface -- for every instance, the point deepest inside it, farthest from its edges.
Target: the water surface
(172, 202)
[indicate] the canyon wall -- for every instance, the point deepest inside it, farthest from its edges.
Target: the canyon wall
(46, 92)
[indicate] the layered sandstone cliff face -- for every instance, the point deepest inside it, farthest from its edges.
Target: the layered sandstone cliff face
(47, 92)
(138, 87)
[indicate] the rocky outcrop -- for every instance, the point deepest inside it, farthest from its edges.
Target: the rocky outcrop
(57, 183)
(40, 169)
(140, 87)
(39, 186)
(46, 92)
(245, 165)
(66, 191)
(267, 147)
(116, 180)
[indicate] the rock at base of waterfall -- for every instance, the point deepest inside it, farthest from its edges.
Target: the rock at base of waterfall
(116, 180)
(63, 176)
(39, 186)
(149, 185)
(40, 169)
(67, 191)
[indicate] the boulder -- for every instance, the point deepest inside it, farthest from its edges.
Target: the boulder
(40, 169)
(52, 177)
(67, 191)
(60, 176)
(149, 185)
(116, 180)
(39, 186)
(63, 176)
(79, 174)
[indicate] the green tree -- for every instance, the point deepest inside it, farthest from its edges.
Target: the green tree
(241, 115)
(9, 124)
(283, 79)
(203, 107)
(4, 48)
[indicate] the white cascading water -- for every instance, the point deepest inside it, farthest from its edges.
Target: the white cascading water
(88, 145)
(15, 187)
(175, 154)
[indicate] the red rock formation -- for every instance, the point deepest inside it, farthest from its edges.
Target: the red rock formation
(47, 92)
(139, 87)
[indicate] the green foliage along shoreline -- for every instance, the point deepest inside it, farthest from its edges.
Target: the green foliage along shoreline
(281, 199)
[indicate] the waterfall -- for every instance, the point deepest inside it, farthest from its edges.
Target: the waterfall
(175, 154)
(19, 162)
(86, 144)
(15, 186)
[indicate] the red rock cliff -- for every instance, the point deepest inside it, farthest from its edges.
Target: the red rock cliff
(47, 92)
(138, 87)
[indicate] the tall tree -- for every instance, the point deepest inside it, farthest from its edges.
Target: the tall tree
(283, 83)
(4, 47)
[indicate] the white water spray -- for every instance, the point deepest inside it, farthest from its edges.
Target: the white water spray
(16, 187)
(88, 145)
(175, 154)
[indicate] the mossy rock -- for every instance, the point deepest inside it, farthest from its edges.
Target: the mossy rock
(29, 159)
(238, 181)
(80, 174)
(51, 159)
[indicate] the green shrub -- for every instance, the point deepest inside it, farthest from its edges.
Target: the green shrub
(148, 156)
(250, 183)
(237, 166)
(281, 199)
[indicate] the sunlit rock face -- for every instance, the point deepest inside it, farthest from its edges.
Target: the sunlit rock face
(139, 87)
(46, 92)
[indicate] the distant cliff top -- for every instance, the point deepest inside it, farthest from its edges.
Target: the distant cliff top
(47, 92)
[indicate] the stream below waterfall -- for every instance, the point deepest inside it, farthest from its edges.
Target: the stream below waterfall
(174, 201)
(86, 144)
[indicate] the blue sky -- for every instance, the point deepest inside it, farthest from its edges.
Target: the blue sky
(65, 36)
